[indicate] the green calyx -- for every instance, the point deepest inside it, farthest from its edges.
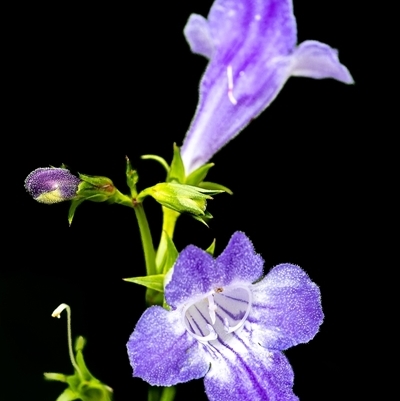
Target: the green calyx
(82, 385)
(101, 189)
(179, 197)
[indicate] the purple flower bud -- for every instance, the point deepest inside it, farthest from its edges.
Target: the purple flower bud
(51, 185)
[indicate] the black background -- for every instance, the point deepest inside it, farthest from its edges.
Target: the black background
(91, 84)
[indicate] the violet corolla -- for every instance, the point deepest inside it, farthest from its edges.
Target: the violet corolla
(52, 185)
(227, 326)
(251, 45)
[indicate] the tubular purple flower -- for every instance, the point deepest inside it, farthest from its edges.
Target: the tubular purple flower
(227, 325)
(251, 45)
(51, 185)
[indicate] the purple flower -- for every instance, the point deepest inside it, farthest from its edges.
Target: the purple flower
(224, 327)
(51, 185)
(251, 45)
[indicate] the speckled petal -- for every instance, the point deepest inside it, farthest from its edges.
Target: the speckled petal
(252, 55)
(51, 184)
(286, 308)
(162, 352)
(239, 261)
(248, 37)
(249, 372)
(198, 35)
(317, 60)
(196, 272)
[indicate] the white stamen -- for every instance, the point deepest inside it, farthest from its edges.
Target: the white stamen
(58, 310)
(57, 313)
(230, 85)
(213, 335)
(211, 308)
(226, 325)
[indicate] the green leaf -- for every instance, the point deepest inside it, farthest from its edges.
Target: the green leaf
(71, 212)
(199, 174)
(211, 248)
(68, 395)
(157, 159)
(214, 186)
(177, 170)
(155, 282)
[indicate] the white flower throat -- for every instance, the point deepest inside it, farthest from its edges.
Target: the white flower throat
(222, 312)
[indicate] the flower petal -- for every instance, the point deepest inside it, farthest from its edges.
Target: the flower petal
(317, 60)
(162, 352)
(239, 260)
(196, 273)
(198, 35)
(244, 75)
(244, 372)
(286, 308)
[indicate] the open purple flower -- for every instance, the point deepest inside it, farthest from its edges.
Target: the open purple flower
(51, 184)
(251, 45)
(224, 327)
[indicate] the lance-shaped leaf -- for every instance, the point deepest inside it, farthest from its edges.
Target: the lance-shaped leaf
(154, 282)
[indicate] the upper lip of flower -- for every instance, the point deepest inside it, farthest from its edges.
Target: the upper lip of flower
(252, 50)
(281, 310)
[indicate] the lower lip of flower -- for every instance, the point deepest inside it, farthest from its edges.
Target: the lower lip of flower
(218, 315)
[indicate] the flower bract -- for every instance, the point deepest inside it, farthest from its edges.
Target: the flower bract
(251, 47)
(227, 325)
(51, 184)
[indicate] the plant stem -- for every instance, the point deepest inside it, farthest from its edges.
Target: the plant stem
(169, 221)
(147, 241)
(161, 393)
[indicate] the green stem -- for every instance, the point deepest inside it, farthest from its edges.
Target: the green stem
(169, 221)
(147, 241)
(56, 313)
(161, 393)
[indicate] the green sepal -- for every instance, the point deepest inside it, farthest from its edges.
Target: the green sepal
(157, 159)
(178, 197)
(177, 171)
(203, 219)
(95, 185)
(154, 282)
(100, 189)
(198, 175)
(214, 186)
(132, 177)
(211, 248)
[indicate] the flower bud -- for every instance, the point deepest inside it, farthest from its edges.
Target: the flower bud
(181, 198)
(51, 185)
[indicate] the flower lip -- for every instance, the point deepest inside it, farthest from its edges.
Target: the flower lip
(219, 313)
